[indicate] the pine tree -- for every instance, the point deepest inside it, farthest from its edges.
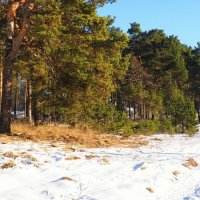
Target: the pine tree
(14, 35)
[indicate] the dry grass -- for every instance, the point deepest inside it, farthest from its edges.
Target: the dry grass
(89, 157)
(150, 189)
(70, 136)
(28, 156)
(73, 158)
(190, 163)
(10, 154)
(175, 173)
(143, 168)
(158, 139)
(9, 164)
(68, 178)
(105, 161)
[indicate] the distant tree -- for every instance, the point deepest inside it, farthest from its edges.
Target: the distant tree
(158, 68)
(193, 65)
(180, 109)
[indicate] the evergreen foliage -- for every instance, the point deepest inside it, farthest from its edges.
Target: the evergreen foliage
(81, 69)
(156, 87)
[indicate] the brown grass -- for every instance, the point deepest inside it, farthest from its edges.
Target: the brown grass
(143, 168)
(9, 164)
(190, 163)
(28, 156)
(73, 158)
(10, 154)
(68, 178)
(68, 148)
(105, 161)
(89, 157)
(158, 139)
(150, 189)
(175, 173)
(70, 136)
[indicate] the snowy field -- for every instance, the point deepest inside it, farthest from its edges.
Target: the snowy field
(168, 168)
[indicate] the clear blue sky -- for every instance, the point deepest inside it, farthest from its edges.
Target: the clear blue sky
(176, 17)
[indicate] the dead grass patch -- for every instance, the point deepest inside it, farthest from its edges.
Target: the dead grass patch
(55, 145)
(158, 139)
(70, 136)
(73, 158)
(175, 173)
(143, 168)
(150, 189)
(105, 161)
(10, 154)
(29, 156)
(89, 157)
(37, 165)
(68, 178)
(9, 164)
(190, 163)
(141, 142)
(67, 149)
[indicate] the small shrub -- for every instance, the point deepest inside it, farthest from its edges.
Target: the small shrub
(166, 126)
(105, 117)
(191, 131)
(128, 128)
(148, 126)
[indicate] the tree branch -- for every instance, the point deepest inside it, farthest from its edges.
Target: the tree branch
(16, 42)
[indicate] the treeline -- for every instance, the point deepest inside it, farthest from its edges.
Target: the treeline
(74, 67)
(162, 82)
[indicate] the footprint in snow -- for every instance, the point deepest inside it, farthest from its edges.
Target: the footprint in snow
(137, 166)
(56, 158)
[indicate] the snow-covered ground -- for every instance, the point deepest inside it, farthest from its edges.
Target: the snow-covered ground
(159, 170)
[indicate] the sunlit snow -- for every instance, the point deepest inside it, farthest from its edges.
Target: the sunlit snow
(155, 171)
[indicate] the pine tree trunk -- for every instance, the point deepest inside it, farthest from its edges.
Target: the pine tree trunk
(140, 111)
(1, 86)
(134, 110)
(35, 113)
(29, 102)
(6, 102)
(197, 109)
(143, 111)
(15, 105)
(129, 109)
(198, 112)
(12, 44)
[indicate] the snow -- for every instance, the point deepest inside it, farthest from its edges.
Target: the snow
(151, 172)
